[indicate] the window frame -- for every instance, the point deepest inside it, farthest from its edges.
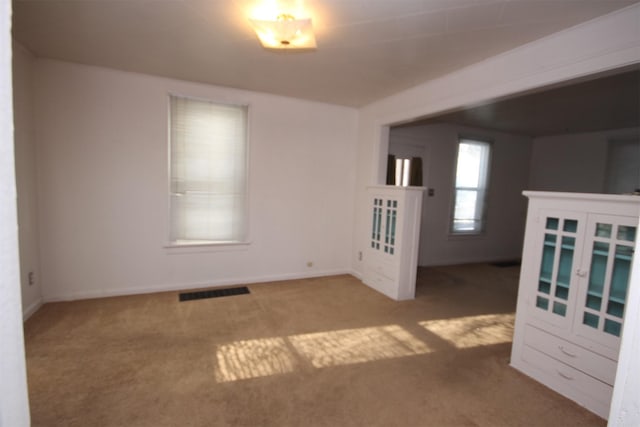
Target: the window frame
(481, 232)
(197, 246)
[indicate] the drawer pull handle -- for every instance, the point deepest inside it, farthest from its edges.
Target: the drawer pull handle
(565, 376)
(568, 353)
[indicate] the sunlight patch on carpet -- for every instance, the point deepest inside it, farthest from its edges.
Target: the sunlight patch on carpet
(473, 331)
(242, 360)
(247, 359)
(350, 346)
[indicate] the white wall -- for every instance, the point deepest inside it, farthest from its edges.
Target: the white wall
(604, 44)
(506, 207)
(573, 162)
(102, 160)
(26, 178)
(14, 405)
(601, 45)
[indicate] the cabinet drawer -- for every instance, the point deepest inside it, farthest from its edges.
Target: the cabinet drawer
(572, 383)
(578, 357)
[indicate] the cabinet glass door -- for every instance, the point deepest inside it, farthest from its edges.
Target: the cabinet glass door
(376, 224)
(391, 218)
(611, 245)
(384, 224)
(558, 252)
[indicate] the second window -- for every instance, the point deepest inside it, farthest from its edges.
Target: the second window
(471, 182)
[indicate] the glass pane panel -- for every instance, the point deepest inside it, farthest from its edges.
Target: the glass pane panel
(375, 222)
(603, 230)
(472, 163)
(542, 303)
(566, 261)
(205, 217)
(612, 327)
(598, 269)
(552, 223)
(620, 275)
(471, 184)
(559, 308)
(590, 320)
(548, 253)
(393, 227)
(594, 301)
(615, 309)
(562, 292)
(544, 287)
(627, 233)
(387, 229)
(465, 215)
(570, 225)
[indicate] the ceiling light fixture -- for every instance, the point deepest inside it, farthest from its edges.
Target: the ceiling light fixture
(286, 32)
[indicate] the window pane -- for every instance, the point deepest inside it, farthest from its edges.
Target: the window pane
(471, 181)
(204, 218)
(465, 209)
(208, 171)
(471, 165)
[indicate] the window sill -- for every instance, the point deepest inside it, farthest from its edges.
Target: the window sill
(467, 236)
(204, 246)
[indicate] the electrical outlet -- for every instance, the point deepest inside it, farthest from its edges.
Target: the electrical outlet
(31, 278)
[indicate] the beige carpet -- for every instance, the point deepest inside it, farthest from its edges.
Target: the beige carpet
(317, 352)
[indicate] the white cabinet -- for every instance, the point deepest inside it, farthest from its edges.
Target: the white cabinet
(573, 285)
(391, 256)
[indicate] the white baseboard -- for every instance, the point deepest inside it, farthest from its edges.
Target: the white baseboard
(31, 308)
(355, 274)
(104, 293)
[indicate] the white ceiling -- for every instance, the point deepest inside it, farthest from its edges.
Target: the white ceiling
(367, 49)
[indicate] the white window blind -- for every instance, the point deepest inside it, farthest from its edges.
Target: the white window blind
(208, 187)
(472, 170)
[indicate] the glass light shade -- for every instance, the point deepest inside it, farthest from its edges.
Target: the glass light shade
(285, 33)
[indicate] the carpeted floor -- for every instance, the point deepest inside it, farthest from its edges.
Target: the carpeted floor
(316, 352)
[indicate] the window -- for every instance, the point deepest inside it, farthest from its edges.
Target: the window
(403, 167)
(472, 170)
(404, 172)
(208, 172)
